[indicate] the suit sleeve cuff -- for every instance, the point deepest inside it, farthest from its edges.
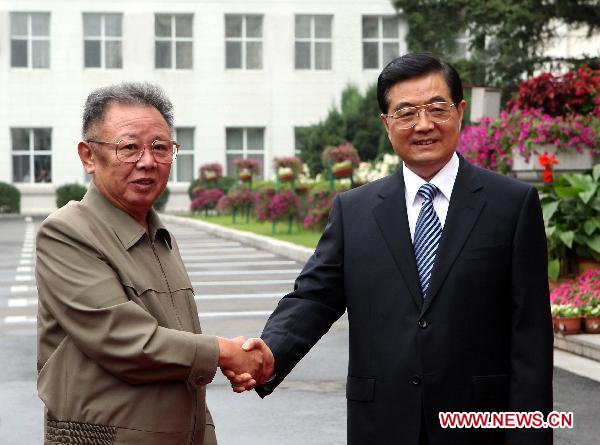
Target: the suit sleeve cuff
(206, 359)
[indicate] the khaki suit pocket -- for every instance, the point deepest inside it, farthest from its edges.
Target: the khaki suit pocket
(360, 389)
(490, 387)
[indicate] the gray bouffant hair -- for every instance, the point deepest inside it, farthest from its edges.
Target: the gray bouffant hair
(126, 93)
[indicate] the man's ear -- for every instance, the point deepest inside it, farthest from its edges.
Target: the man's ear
(385, 123)
(86, 154)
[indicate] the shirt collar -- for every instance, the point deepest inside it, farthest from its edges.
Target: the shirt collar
(125, 227)
(443, 180)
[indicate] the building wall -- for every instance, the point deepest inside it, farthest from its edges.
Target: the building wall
(208, 97)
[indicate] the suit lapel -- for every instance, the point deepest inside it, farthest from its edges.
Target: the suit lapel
(391, 218)
(463, 212)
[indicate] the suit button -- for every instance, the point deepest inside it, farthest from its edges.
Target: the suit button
(200, 380)
(416, 380)
(423, 323)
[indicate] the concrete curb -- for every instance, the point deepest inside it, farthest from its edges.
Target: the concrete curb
(584, 345)
(283, 248)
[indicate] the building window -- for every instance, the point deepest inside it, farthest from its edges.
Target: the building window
(243, 41)
(300, 135)
(381, 40)
(173, 41)
(313, 42)
(102, 40)
(182, 170)
(31, 154)
(245, 143)
(30, 40)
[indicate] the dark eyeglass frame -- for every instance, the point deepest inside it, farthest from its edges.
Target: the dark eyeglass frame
(141, 152)
(418, 109)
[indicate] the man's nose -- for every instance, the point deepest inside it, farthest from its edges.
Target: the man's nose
(424, 123)
(147, 160)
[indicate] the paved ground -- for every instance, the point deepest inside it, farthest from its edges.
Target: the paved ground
(238, 287)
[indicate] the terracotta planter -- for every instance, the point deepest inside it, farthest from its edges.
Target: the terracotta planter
(591, 325)
(245, 175)
(567, 325)
(210, 175)
(342, 169)
(585, 264)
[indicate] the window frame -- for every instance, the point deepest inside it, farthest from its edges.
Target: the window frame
(313, 40)
(245, 152)
(173, 176)
(380, 40)
(31, 152)
(29, 38)
(103, 39)
(244, 40)
(173, 39)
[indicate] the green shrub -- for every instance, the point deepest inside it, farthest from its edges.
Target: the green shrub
(69, 192)
(10, 198)
(161, 201)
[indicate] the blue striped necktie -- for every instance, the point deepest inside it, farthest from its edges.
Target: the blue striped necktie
(427, 236)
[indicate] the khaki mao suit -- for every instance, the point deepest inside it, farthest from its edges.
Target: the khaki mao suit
(120, 358)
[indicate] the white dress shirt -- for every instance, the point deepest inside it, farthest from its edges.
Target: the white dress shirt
(443, 180)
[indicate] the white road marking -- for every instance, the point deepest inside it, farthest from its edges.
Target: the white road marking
(241, 283)
(246, 263)
(236, 314)
(22, 302)
(23, 278)
(23, 269)
(28, 219)
(236, 296)
(25, 262)
(19, 319)
(20, 289)
(244, 272)
(225, 258)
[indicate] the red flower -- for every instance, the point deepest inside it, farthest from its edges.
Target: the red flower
(547, 160)
(547, 176)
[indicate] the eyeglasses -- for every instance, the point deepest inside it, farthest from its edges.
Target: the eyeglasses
(407, 117)
(164, 152)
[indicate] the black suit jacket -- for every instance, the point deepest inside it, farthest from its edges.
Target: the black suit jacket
(481, 341)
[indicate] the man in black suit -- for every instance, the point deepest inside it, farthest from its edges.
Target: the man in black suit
(442, 269)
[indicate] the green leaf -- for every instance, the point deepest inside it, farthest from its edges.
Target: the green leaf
(553, 269)
(596, 172)
(594, 243)
(549, 209)
(589, 226)
(566, 192)
(589, 194)
(567, 238)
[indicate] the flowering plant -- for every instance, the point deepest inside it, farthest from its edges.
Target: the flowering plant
(283, 206)
(205, 199)
(341, 153)
(371, 171)
(246, 167)
(577, 91)
(317, 216)
(211, 172)
(547, 161)
(292, 162)
(238, 199)
(577, 297)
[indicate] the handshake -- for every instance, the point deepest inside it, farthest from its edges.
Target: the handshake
(245, 362)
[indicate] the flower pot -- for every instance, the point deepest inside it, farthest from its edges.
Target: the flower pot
(591, 325)
(210, 175)
(585, 264)
(567, 325)
(245, 175)
(342, 169)
(566, 161)
(285, 174)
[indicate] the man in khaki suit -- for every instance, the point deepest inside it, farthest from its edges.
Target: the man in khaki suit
(121, 356)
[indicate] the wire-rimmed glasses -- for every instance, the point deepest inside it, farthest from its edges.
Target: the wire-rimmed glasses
(407, 117)
(132, 151)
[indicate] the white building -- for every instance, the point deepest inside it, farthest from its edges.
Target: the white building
(242, 76)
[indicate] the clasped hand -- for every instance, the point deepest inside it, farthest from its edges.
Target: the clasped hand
(245, 362)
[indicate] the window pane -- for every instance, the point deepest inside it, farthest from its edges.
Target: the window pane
(113, 25)
(323, 56)
(43, 168)
(233, 56)
(323, 27)
(18, 24)
(183, 55)
(114, 56)
(40, 54)
(390, 52)
(302, 55)
(230, 163)
(162, 54)
(235, 139)
(91, 25)
(261, 161)
(233, 26)
(255, 138)
(390, 27)
(40, 24)
(370, 55)
(92, 53)
(254, 26)
(185, 138)
(370, 27)
(254, 55)
(42, 139)
(18, 53)
(20, 138)
(303, 26)
(21, 169)
(183, 25)
(185, 167)
(162, 25)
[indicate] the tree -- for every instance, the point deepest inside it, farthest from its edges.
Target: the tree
(506, 37)
(356, 121)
